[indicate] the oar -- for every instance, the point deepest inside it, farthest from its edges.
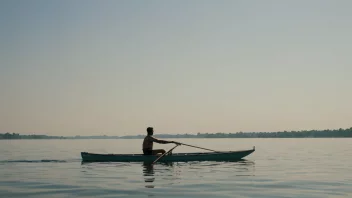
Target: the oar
(198, 147)
(165, 153)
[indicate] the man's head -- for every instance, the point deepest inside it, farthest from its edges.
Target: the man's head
(150, 130)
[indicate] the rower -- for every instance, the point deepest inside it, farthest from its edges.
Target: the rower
(148, 143)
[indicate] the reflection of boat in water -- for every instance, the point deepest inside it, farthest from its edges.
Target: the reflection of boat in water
(173, 171)
(176, 157)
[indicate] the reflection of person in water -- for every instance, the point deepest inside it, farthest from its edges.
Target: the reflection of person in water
(148, 172)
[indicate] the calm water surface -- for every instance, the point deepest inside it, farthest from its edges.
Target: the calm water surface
(278, 168)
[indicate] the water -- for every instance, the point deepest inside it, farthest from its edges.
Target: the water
(278, 168)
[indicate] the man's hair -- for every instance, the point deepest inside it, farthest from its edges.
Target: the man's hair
(150, 130)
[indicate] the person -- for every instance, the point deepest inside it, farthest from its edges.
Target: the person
(148, 143)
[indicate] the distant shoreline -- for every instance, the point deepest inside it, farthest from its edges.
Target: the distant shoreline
(174, 138)
(337, 133)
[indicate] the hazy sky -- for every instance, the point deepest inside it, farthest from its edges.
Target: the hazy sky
(116, 67)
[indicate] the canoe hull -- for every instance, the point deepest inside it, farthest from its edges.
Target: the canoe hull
(176, 157)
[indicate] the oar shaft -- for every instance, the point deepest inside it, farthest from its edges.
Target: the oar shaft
(198, 147)
(165, 154)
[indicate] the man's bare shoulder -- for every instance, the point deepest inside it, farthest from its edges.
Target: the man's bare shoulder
(151, 138)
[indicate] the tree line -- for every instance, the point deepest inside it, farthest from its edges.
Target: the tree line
(337, 133)
(18, 136)
(284, 134)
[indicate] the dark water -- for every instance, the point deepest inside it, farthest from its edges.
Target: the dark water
(278, 168)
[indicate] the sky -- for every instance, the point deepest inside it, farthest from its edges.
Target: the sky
(109, 67)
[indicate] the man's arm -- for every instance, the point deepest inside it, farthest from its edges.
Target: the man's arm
(161, 141)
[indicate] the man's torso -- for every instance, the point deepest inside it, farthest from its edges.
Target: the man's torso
(148, 143)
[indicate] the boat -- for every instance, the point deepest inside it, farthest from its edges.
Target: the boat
(175, 157)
